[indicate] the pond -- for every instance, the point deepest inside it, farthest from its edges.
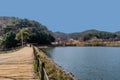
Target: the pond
(88, 63)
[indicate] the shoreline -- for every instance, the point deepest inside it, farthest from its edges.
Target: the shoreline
(81, 46)
(58, 69)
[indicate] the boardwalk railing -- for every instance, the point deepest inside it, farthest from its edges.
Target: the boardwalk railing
(40, 66)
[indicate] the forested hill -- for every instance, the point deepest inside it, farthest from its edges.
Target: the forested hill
(14, 24)
(87, 35)
(11, 29)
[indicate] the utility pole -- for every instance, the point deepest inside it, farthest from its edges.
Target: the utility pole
(21, 38)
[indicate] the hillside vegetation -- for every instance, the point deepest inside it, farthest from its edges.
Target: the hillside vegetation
(88, 35)
(13, 29)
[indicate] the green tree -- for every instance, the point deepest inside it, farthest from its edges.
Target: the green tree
(24, 33)
(8, 40)
(40, 37)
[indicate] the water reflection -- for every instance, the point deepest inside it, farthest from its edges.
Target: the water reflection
(88, 63)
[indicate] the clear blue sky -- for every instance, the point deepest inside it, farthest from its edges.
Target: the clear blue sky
(67, 15)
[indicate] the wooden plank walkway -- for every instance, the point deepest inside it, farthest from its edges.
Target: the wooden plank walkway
(17, 65)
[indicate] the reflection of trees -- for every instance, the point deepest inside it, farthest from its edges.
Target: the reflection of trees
(49, 52)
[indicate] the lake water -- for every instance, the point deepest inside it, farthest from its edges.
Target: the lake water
(88, 63)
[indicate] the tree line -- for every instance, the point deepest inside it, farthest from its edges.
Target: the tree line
(88, 35)
(30, 31)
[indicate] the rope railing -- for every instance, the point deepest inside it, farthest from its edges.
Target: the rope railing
(40, 66)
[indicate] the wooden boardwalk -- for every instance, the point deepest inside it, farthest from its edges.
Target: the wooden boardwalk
(17, 65)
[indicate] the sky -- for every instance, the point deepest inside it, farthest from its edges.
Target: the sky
(67, 15)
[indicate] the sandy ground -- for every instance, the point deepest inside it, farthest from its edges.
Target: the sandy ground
(17, 65)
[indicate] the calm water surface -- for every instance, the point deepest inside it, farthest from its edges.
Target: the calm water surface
(88, 63)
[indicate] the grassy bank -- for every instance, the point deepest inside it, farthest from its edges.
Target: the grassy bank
(53, 70)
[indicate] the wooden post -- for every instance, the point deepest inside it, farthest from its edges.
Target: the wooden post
(38, 63)
(42, 71)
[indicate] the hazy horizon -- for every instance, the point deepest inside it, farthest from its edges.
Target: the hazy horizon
(87, 30)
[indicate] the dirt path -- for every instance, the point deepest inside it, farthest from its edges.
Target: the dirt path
(17, 65)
